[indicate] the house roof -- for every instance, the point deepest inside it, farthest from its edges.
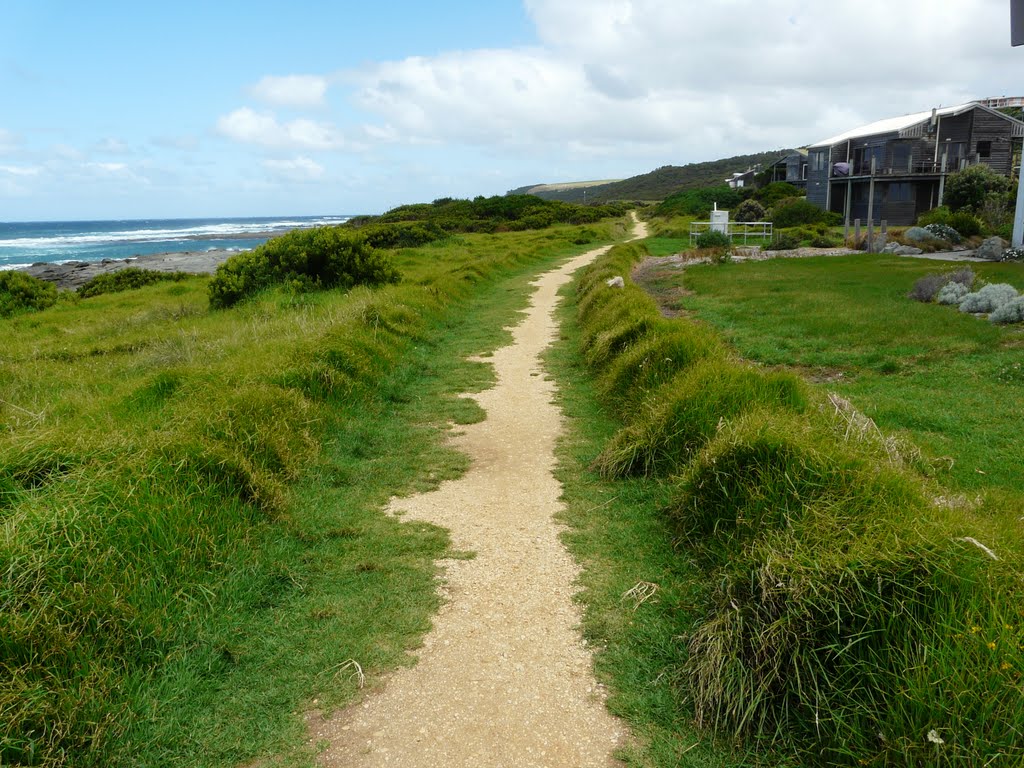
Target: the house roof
(913, 125)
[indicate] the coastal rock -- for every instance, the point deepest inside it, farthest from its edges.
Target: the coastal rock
(918, 235)
(991, 249)
(901, 250)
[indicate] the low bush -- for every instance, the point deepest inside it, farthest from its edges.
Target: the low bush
(966, 223)
(792, 212)
(1010, 312)
(699, 202)
(749, 210)
(938, 215)
(951, 294)
(929, 287)
(783, 241)
(319, 258)
(944, 232)
(988, 298)
(771, 194)
(1013, 254)
(713, 239)
(126, 280)
(20, 292)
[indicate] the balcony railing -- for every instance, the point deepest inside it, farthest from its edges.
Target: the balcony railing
(846, 170)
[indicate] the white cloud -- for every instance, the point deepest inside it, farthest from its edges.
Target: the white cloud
(20, 170)
(247, 126)
(301, 169)
(686, 80)
(291, 90)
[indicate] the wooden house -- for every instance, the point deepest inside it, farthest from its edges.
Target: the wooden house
(904, 161)
(791, 168)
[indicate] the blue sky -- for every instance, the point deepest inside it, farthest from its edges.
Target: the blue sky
(129, 110)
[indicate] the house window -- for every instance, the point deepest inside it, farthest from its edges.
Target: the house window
(819, 160)
(901, 158)
(900, 193)
(984, 149)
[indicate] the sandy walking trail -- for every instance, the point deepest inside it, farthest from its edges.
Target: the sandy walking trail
(504, 678)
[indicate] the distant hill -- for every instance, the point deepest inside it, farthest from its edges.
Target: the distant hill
(654, 186)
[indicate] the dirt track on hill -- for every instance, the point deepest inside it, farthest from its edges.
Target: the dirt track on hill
(504, 678)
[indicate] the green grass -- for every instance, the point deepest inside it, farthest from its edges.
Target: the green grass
(948, 381)
(193, 546)
(840, 605)
(621, 540)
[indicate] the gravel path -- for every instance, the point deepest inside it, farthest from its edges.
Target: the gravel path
(504, 678)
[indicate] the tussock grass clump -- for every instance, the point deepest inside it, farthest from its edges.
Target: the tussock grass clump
(652, 361)
(681, 416)
(851, 616)
(856, 616)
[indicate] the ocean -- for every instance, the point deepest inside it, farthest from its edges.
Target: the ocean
(24, 243)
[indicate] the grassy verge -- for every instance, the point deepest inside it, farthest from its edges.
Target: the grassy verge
(949, 382)
(193, 549)
(826, 602)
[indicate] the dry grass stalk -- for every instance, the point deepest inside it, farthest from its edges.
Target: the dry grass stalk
(641, 593)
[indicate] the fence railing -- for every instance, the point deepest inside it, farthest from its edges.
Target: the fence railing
(734, 230)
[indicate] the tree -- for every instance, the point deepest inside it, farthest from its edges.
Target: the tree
(975, 186)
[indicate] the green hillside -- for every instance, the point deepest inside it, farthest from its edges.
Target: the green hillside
(656, 185)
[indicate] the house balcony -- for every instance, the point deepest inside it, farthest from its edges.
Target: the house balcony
(913, 170)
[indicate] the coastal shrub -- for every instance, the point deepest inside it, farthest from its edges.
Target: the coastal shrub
(771, 194)
(927, 288)
(318, 258)
(944, 232)
(20, 292)
(783, 241)
(749, 210)
(713, 239)
(938, 215)
(969, 188)
(952, 294)
(1010, 312)
(126, 280)
(678, 419)
(402, 235)
(792, 212)
(699, 202)
(966, 223)
(988, 298)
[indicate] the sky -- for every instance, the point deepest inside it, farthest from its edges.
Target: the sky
(112, 110)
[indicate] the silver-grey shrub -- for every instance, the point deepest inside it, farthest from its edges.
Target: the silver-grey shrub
(952, 293)
(1011, 312)
(988, 299)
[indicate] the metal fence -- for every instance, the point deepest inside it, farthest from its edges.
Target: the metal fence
(747, 230)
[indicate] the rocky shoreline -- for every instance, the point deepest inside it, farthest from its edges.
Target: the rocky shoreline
(72, 275)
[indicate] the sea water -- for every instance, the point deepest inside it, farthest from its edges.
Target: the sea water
(24, 243)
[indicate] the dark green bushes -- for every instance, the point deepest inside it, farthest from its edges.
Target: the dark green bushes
(699, 202)
(324, 257)
(23, 293)
(794, 212)
(126, 280)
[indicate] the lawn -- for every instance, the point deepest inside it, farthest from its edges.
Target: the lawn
(951, 382)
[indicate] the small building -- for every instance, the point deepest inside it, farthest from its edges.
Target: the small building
(740, 180)
(908, 158)
(791, 168)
